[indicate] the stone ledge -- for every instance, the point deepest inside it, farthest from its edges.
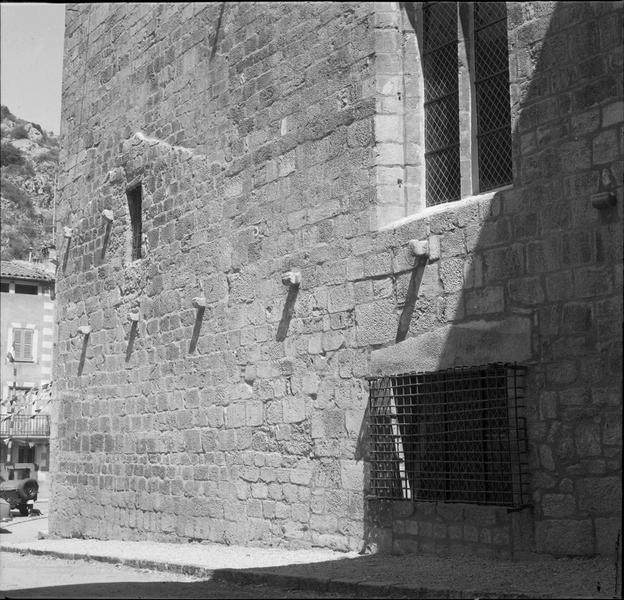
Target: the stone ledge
(464, 344)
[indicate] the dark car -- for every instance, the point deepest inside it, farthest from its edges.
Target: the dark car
(18, 485)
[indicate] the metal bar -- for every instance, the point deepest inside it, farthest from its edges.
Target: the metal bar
(448, 436)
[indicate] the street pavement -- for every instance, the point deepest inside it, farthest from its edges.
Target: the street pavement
(316, 572)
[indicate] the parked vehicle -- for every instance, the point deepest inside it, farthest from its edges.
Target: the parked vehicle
(18, 485)
(5, 511)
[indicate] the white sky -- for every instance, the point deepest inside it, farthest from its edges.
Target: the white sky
(31, 61)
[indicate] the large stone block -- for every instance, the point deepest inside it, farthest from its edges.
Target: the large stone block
(558, 505)
(565, 537)
(376, 322)
(600, 495)
(607, 530)
(473, 342)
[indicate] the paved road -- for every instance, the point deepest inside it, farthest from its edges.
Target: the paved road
(23, 529)
(23, 576)
(28, 576)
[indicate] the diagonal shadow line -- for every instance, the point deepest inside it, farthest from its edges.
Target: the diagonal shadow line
(109, 226)
(66, 254)
(410, 300)
(287, 313)
(83, 354)
(195, 335)
(131, 337)
(218, 28)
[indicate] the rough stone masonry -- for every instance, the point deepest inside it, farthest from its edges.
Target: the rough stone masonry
(209, 400)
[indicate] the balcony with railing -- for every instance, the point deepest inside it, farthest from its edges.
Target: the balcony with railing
(26, 426)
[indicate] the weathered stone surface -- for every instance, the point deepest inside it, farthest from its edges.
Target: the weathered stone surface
(600, 495)
(291, 140)
(606, 535)
(473, 342)
(565, 537)
(558, 505)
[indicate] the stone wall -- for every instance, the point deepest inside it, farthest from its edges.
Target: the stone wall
(268, 138)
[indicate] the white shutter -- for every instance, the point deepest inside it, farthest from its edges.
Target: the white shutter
(23, 344)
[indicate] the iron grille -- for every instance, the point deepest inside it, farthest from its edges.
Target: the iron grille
(440, 69)
(456, 435)
(26, 426)
(492, 92)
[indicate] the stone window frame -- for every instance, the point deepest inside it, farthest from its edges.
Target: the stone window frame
(468, 130)
(399, 126)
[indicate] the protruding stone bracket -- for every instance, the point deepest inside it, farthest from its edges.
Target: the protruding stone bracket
(419, 248)
(133, 317)
(291, 278)
(68, 232)
(199, 302)
(85, 330)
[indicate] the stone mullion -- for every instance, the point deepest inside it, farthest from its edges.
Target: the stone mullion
(469, 164)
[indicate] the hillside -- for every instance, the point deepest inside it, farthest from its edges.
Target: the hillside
(29, 163)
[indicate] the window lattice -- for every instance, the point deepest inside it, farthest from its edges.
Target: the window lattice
(450, 436)
(440, 65)
(492, 94)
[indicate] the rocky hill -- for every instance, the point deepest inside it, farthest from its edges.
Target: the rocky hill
(29, 163)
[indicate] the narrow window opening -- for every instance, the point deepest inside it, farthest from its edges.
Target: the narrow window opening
(23, 288)
(492, 91)
(467, 113)
(135, 198)
(440, 65)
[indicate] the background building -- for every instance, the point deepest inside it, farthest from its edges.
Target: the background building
(270, 203)
(26, 342)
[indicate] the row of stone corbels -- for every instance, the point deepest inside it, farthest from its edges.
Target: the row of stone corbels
(419, 248)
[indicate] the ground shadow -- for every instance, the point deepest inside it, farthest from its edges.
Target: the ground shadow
(134, 327)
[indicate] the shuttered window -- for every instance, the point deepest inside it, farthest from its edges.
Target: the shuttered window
(23, 345)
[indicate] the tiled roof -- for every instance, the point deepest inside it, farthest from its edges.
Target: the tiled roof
(22, 269)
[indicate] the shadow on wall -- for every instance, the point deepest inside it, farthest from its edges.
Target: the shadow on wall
(540, 286)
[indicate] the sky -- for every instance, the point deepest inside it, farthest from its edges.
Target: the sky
(31, 61)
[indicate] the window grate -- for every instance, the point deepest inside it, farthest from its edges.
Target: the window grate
(450, 436)
(492, 95)
(440, 68)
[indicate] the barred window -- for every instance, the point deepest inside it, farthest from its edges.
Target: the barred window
(457, 435)
(473, 100)
(23, 345)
